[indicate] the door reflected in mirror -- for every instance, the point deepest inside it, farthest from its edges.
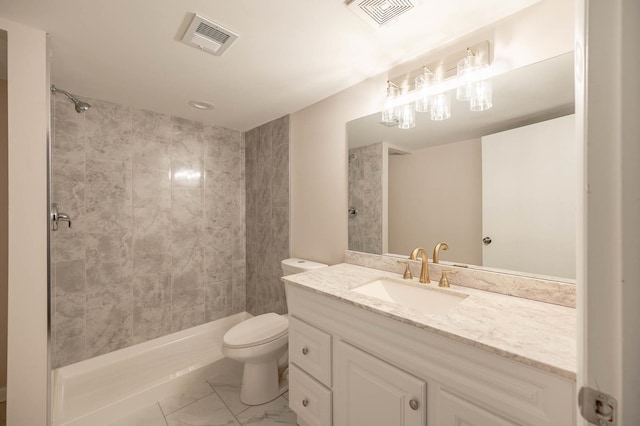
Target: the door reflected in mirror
(498, 185)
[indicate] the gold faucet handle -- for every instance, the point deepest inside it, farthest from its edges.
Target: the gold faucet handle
(407, 271)
(444, 282)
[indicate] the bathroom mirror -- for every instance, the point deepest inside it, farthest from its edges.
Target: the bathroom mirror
(498, 185)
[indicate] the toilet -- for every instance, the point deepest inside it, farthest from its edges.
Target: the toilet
(261, 343)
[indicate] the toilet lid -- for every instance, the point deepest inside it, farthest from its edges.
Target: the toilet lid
(257, 330)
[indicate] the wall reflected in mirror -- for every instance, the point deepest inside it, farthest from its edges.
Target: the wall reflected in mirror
(507, 175)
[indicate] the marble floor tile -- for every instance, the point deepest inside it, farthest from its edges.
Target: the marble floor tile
(274, 413)
(190, 395)
(150, 415)
(208, 411)
(227, 383)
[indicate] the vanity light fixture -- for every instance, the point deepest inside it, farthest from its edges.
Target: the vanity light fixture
(440, 103)
(465, 73)
(423, 97)
(441, 107)
(427, 91)
(477, 92)
(407, 117)
(390, 110)
(481, 95)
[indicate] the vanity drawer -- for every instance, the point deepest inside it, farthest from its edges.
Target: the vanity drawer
(310, 349)
(309, 399)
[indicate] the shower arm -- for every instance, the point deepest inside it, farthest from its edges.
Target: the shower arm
(54, 89)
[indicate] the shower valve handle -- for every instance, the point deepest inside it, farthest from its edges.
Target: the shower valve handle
(63, 217)
(58, 217)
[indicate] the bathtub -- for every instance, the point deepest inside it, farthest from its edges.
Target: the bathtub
(91, 392)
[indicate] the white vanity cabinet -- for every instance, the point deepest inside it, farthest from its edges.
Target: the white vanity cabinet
(372, 392)
(361, 368)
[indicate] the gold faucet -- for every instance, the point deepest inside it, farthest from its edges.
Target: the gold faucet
(424, 272)
(436, 251)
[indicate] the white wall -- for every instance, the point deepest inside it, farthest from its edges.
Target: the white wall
(435, 194)
(318, 133)
(27, 331)
(319, 171)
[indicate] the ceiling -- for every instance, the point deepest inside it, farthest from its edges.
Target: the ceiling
(526, 95)
(289, 54)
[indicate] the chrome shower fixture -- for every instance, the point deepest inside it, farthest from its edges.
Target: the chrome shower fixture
(80, 105)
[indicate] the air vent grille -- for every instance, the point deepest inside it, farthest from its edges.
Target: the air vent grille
(212, 33)
(208, 36)
(383, 11)
(379, 13)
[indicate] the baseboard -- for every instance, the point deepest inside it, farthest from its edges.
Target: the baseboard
(3, 394)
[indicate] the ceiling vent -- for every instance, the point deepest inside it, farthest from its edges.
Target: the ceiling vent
(379, 13)
(208, 36)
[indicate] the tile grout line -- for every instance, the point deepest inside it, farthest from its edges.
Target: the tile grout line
(225, 404)
(166, 422)
(192, 402)
(162, 411)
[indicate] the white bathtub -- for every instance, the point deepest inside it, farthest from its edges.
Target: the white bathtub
(101, 389)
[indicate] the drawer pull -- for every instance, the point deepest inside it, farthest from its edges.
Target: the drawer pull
(305, 402)
(414, 404)
(305, 350)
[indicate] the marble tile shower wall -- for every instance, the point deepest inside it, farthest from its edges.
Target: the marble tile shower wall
(267, 170)
(158, 237)
(365, 194)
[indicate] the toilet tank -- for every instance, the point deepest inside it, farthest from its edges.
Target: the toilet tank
(294, 265)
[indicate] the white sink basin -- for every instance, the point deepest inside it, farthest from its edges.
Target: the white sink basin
(421, 298)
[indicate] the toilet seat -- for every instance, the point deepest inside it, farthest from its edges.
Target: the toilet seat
(256, 331)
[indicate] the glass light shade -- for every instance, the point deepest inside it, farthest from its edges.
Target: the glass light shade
(423, 81)
(465, 70)
(482, 96)
(390, 111)
(407, 117)
(441, 107)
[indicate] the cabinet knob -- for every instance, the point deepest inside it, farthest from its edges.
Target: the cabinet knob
(414, 404)
(305, 350)
(305, 402)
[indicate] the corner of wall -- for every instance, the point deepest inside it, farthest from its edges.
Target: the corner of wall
(27, 360)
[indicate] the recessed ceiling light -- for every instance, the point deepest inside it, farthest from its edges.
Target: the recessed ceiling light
(201, 104)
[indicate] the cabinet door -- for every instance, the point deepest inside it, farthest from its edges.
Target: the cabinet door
(455, 411)
(372, 392)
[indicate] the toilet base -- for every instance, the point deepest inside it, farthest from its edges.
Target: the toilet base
(261, 383)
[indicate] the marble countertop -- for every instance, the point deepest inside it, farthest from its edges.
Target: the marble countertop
(537, 334)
